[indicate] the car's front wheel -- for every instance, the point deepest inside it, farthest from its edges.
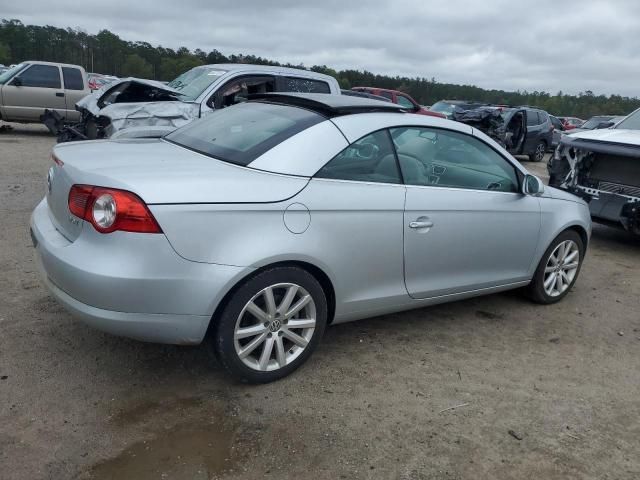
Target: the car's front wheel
(271, 325)
(558, 269)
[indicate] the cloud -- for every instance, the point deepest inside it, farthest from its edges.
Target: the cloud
(545, 45)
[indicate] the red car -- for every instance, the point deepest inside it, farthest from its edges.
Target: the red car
(570, 123)
(400, 98)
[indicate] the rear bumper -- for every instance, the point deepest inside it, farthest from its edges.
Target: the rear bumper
(129, 284)
(157, 328)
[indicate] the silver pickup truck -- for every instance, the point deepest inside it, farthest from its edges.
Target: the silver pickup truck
(29, 88)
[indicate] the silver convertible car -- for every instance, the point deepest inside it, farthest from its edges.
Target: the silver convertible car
(257, 226)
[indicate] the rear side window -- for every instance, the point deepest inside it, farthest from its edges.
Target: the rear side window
(543, 117)
(241, 133)
(72, 78)
(532, 118)
(384, 94)
(370, 159)
(304, 85)
(44, 76)
(556, 123)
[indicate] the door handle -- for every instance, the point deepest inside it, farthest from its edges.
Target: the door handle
(59, 94)
(422, 224)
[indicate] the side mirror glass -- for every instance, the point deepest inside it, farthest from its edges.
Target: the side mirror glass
(16, 81)
(532, 185)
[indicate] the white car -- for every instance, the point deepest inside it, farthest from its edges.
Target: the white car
(603, 167)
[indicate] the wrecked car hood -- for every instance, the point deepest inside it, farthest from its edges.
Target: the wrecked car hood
(134, 102)
(157, 114)
(92, 102)
(629, 137)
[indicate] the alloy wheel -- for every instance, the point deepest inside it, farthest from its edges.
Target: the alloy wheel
(275, 327)
(561, 268)
(540, 150)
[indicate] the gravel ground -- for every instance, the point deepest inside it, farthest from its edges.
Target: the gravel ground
(539, 392)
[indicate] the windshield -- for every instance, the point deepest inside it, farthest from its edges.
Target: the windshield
(443, 107)
(241, 133)
(192, 83)
(11, 72)
(632, 122)
(593, 122)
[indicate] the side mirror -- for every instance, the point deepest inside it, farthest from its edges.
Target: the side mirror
(532, 185)
(604, 125)
(16, 81)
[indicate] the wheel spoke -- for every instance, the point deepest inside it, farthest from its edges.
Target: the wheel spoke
(301, 323)
(565, 277)
(295, 338)
(553, 259)
(571, 256)
(550, 269)
(280, 355)
(560, 254)
(558, 285)
(250, 331)
(251, 346)
(300, 304)
(288, 298)
(550, 281)
(266, 354)
(270, 301)
(571, 266)
(257, 312)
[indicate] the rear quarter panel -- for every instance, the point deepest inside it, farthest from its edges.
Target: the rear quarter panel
(351, 231)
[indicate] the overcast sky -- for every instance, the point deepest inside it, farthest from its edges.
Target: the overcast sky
(550, 45)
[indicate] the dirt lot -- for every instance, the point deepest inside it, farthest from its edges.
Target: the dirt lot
(373, 402)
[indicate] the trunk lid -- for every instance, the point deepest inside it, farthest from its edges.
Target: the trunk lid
(161, 172)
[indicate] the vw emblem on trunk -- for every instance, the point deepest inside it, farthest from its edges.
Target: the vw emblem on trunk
(49, 179)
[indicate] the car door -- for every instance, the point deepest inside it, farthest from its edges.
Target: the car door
(357, 201)
(534, 131)
(33, 90)
(74, 91)
(466, 226)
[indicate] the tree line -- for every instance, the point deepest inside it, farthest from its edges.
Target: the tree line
(107, 53)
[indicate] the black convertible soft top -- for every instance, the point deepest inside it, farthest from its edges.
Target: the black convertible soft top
(327, 104)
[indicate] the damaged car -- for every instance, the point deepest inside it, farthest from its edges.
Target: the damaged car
(520, 130)
(603, 167)
(133, 107)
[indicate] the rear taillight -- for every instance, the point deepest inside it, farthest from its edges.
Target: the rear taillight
(110, 209)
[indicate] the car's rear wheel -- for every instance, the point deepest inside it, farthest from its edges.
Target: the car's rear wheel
(271, 325)
(558, 269)
(538, 153)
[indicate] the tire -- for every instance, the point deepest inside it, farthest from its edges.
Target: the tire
(537, 290)
(539, 153)
(250, 324)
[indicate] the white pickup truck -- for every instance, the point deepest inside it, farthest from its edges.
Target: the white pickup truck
(29, 88)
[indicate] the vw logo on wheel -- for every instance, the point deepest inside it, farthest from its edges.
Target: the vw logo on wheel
(275, 325)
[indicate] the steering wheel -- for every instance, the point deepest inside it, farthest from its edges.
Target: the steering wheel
(367, 151)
